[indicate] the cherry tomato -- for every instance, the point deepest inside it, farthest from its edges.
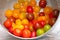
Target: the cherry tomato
(8, 23)
(47, 27)
(39, 32)
(47, 10)
(26, 33)
(16, 5)
(41, 14)
(17, 32)
(25, 21)
(26, 26)
(12, 19)
(15, 13)
(11, 30)
(36, 9)
(8, 13)
(29, 9)
(22, 15)
(33, 34)
(32, 3)
(42, 3)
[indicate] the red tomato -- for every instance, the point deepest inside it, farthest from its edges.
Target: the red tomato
(12, 19)
(51, 15)
(8, 23)
(33, 34)
(29, 9)
(11, 30)
(26, 33)
(42, 23)
(17, 32)
(26, 26)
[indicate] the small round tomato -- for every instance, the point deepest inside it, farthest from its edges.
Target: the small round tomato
(47, 27)
(22, 15)
(12, 19)
(25, 21)
(16, 5)
(41, 14)
(33, 34)
(36, 9)
(39, 32)
(18, 22)
(29, 9)
(17, 32)
(41, 18)
(8, 13)
(26, 26)
(35, 15)
(8, 23)
(42, 3)
(32, 3)
(11, 30)
(15, 13)
(47, 10)
(26, 33)
(42, 23)
(23, 9)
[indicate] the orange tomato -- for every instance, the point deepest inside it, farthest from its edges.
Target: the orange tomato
(16, 5)
(41, 18)
(8, 13)
(36, 9)
(35, 15)
(47, 10)
(15, 13)
(22, 15)
(32, 3)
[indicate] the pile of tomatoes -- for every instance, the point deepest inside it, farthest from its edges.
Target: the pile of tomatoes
(27, 20)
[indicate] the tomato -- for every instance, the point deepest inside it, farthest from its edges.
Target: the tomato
(41, 18)
(12, 19)
(36, 9)
(33, 34)
(26, 26)
(25, 21)
(15, 13)
(17, 32)
(8, 13)
(22, 15)
(11, 30)
(39, 32)
(47, 27)
(32, 3)
(16, 5)
(29, 9)
(18, 22)
(26, 33)
(42, 23)
(47, 10)
(8, 23)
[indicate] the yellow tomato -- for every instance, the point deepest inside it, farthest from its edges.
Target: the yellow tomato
(21, 27)
(47, 10)
(16, 13)
(35, 15)
(36, 9)
(25, 21)
(8, 13)
(16, 5)
(22, 15)
(32, 3)
(18, 22)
